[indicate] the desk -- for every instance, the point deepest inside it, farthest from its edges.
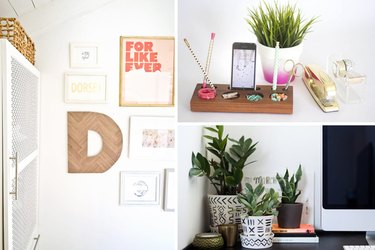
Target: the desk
(327, 241)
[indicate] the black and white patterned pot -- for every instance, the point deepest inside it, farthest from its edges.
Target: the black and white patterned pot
(224, 209)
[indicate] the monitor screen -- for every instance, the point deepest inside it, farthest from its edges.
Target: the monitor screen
(348, 167)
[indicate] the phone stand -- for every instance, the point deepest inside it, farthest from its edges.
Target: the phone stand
(247, 101)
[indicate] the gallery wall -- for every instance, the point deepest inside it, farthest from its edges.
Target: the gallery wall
(279, 147)
(82, 211)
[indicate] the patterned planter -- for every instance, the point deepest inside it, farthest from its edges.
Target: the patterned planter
(256, 242)
(224, 209)
(257, 231)
(257, 225)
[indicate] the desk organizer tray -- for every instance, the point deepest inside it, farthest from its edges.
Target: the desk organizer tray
(241, 104)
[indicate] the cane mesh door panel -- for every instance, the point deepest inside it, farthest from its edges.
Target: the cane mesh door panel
(23, 112)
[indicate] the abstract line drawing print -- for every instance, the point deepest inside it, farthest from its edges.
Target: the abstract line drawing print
(140, 188)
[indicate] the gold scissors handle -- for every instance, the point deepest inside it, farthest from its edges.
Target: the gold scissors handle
(293, 72)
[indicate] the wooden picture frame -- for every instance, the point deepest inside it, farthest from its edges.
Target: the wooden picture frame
(147, 71)
(152, 138)
(170, 190)
(84, 55)
(85, 87)
(139, 188)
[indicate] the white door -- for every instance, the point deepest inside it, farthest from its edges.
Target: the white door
(20, 82)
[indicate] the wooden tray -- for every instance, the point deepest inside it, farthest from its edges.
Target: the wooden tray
(241, 104)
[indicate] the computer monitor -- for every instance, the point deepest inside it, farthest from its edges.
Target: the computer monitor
(348, 178)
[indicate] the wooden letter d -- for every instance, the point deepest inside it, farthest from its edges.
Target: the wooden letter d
(79, 123)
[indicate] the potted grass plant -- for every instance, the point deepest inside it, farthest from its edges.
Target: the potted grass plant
(224, 170)
(260, 206)
(272, 23)
(290, 211)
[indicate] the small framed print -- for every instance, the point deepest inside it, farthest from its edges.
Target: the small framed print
(170, 190)
(152, 138)
(85, 88)
(84, 55)
(139, 188)
(147, 71)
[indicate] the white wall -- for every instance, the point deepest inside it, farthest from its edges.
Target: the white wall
(191, 191)
(279, 147)
(286, 146)
(82, 211)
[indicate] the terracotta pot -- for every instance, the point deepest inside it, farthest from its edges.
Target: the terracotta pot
(289, 215)
(267, 57)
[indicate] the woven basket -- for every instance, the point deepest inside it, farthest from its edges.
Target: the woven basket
(11, 29)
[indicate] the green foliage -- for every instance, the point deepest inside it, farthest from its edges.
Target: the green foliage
(257, 202)
(225, 172)
(289, 186)
(283, 24)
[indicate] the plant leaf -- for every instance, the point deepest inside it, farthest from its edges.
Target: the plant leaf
(195, 172)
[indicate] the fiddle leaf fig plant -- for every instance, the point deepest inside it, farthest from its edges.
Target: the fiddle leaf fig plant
(289, 186)
(258, 202)
(225, 169)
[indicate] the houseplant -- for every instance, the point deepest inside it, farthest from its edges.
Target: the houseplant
(257, 222)
(273, 23)
(225, 172)
(290, 211)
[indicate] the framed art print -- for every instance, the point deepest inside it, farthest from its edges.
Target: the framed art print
(170, 190)
(147, 71)
(139, 188)
(85, 88)
(152, 138)
(84, 55)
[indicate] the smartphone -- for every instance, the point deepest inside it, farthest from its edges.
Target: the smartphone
(243, 66)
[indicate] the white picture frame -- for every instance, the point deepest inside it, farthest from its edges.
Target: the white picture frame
(85, 87)
(139, 188)
(170, 190)
(147, 81)
(84, 55)
(152, 138)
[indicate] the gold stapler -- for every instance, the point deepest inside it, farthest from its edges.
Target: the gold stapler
(321, 87)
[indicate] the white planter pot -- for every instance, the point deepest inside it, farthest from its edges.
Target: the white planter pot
(255, 242)
(267, 57)
(224, 209)
(257, 225)
(257, 231)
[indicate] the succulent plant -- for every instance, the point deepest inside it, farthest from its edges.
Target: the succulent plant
(289, 186)
(258, 202)
(225, 170)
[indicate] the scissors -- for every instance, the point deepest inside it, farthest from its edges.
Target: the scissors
(293, 70)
